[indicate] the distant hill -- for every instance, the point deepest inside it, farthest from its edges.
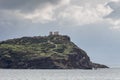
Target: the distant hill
(44, 52)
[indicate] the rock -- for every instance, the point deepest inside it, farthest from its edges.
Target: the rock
(96, 65)
(44, 52)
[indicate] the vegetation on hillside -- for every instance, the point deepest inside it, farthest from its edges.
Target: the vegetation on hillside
(43, 52)
(40, 46)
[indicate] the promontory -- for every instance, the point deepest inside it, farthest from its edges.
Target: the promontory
(54, 51)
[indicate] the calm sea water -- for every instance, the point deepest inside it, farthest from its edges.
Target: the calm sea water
(100, 74)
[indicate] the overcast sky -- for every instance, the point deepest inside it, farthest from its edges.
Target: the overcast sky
(94, 25)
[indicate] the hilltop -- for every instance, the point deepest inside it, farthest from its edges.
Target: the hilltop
(44, 52)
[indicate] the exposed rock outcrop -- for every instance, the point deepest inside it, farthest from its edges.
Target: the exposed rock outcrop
(96, 65)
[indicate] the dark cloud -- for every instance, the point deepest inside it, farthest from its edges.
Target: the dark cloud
(115, 6)
(25, 5)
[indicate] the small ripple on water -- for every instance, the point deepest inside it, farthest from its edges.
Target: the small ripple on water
(103, 74)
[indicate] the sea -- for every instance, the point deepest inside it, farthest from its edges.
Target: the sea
(46, 74)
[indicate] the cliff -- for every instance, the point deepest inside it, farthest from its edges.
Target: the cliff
(44, 52)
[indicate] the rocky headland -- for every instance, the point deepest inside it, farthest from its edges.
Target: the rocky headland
(44, 52)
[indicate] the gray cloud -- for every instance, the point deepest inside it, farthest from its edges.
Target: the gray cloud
(93, 2)
(25, 5)
(115, 6)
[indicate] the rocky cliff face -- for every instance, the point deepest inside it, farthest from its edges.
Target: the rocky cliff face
(47, 52)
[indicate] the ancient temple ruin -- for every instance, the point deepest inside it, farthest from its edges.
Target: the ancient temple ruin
(54, 33)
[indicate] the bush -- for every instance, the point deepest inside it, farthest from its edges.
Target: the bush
(60, 48)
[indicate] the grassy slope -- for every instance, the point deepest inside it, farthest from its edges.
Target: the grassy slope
(40, 46)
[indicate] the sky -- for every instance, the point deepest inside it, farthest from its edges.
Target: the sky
(93, 25)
